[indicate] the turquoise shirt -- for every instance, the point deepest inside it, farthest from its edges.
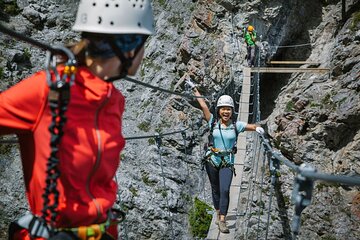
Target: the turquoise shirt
(227, 137)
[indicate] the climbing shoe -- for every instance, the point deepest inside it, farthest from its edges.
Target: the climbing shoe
(223, 227)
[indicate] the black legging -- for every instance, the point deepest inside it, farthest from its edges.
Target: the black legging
(220, 181)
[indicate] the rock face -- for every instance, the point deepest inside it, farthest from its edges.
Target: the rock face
(313, 118)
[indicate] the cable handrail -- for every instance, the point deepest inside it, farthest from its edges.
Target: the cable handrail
(159, 143)
(15, 141)
(348, 180)
(291, 46)
(29, 40)
(157, 134)
(129, 79)
(303, 187)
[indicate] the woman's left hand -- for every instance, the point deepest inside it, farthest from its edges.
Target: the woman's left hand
(260, 130)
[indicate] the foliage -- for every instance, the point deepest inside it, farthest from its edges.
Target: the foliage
(144, 126)
(1, 72)
(199, 218)
(355, 21)
(148, 64)
(27, 53)
(162, 2)
(146, 104)
(186, 197)
(289, 106)
(196, 41)
(10, 8)
(162, 191)
(328, 101)
(146, 180)
(328, 237)
(314, 105)
(134, 191)
(151, 141)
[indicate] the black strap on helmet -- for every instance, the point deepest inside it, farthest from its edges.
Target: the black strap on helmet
(126, 62)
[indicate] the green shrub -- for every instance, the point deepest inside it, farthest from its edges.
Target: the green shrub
(151, 141)
(162, 3)
(10, 8)
(289, 106)
(199, 218)
(328, 102)
(144, 126)
(134, 191)
(314, 105)
(328, 237)
(1, 72)
(27, 53)
(355, 21)
(146, 180)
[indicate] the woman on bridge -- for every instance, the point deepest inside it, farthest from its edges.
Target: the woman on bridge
(221, 153)
(69, 184)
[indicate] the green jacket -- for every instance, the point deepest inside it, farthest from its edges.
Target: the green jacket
(249, 36)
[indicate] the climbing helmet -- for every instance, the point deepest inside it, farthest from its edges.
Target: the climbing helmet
(225, 101)
(250, 28)
(115, 17)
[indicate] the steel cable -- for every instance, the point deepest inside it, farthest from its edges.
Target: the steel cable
(253, 179)
(121, 208)
(158, 143)
(261, 187)
(348, 180)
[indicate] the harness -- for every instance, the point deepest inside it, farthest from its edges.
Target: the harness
(211, 150)
(37, 228)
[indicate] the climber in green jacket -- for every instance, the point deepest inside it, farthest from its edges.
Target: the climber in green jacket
(250, 39)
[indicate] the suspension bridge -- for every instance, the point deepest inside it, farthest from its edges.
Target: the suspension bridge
(246, 192)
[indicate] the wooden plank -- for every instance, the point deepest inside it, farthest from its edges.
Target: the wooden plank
(288, 70)
(293, 62)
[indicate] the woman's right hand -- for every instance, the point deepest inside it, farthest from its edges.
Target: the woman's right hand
(190, 83)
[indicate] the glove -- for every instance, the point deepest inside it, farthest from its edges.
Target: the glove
(190, 83)
(260, 130)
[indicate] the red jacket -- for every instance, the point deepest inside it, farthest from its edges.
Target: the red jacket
(89, 151)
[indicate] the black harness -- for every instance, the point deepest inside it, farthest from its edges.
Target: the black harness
(210, 149)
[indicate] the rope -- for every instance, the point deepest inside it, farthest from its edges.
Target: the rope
(303, 185)
(312, 175)
(202, 152)
(183, 134)
(291, 46)
(129, 79)
(121, 208)
(14, 141)
(261, 188)
(32, 41)
(254, 179)
(272, 190)
(9, 141)
(158, 143)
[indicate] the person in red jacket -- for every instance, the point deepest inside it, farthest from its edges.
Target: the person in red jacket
(112, 44)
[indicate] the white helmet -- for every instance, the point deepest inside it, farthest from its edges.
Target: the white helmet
(225, 101)
(115, 17)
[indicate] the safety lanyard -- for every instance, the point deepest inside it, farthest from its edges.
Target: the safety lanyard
(222, 138)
